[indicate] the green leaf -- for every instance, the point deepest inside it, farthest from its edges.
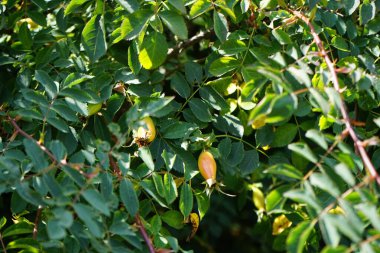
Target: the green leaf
(27, 244)
(73, 5)
(266, 4)
(146, 156)
(179, 5)
(178, 130)
(157, 180)
(214, 99)
(3, 221)
(231, 124)
(75, 78)
(281, 108)
(25, 36)
(303, 196)
(351, 5)
(345, 173)
(58, 123)
(95, 199)
(64, 111)
(200, 110)
(156, 224)
(129, 197)
(173, 218)
(231, 47)
(150, 106)
(298, 236)
(86, 214)
(322, 102)
(133, 25)
(58, 149)
(199, 7)
(236, 156)
(220, 26)
(18, 229)
(249, 163)
(324, 182)
(170, 188)
(223, 65)
(303, 150)
(186, 200)
(283, 135)
(49, 85)
(179, 84)
(133, 58)
(274, 200)
(282, 37)
(367, 12)
(285, 170)
(193, 72)
(339, 43)
(175, 23)
(300, 75)
(169, 159)
(149, 187)
(76, 94)
(36, 154)
(153, 51)
(93, 38)
(370, 211)
(55, 230)
(203, 203)
(317, 137)
(38, 17)
(130, 5)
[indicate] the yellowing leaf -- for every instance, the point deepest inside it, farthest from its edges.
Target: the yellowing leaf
(280, 224)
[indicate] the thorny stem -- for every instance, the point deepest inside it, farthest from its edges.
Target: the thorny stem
(36, 220)
(334, 78)
(144, 234)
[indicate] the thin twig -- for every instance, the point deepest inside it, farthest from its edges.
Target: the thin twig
(115, 167)
(342, 196)
(144, 234)
(2, 243)
(42, 147)
(36, 220)
(334, 78)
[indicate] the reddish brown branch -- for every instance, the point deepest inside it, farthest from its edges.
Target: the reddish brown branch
(144, 234)
(36, 221)
(28, 136)
(343, 109)
(115, 167)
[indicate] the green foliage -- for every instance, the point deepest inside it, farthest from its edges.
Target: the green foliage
(288, 118)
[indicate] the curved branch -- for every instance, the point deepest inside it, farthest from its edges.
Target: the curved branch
(343, 109)
(144, 234)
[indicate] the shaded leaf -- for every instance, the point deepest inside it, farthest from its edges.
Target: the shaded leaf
(129, 197)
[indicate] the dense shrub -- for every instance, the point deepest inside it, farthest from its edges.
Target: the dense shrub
(105, 107)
